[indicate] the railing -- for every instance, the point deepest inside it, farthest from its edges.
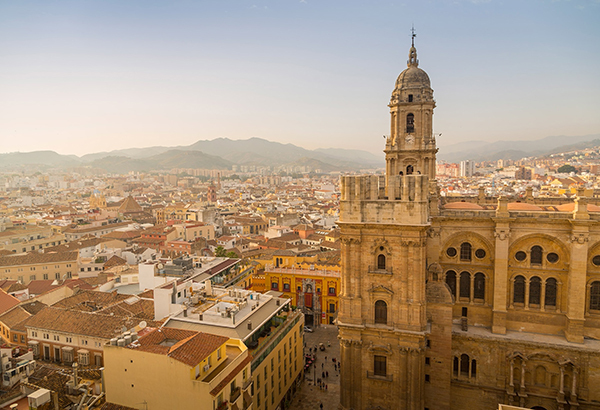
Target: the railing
(235, 394)
(274, 339)
(387, 377)
(222, 406)
(247, 384)
(386, 271)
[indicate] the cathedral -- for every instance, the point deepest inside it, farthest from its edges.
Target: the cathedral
(453, 303)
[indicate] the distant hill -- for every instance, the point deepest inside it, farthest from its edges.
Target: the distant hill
(166, 160)
(46, 158)
(482, 151)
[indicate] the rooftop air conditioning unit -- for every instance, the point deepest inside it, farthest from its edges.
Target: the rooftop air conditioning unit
(206, 367)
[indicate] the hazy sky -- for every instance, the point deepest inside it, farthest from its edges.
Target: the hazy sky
(85, 76)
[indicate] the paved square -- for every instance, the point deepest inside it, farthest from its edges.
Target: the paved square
(310, 396)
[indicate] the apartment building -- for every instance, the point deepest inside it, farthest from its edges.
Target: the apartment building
(195, 368)
(34, 266)
(266, 323)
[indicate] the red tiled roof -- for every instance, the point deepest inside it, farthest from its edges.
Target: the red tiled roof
(190, 347)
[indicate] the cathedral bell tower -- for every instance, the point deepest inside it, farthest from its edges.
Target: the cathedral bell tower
(410, 148)
(383, 327)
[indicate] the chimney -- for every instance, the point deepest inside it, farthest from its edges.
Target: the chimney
(75, 375)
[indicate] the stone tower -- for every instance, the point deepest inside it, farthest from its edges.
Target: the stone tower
(410, 148)
(384, 330)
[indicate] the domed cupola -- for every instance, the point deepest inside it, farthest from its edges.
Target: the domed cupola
(413, 83)
(411, 146)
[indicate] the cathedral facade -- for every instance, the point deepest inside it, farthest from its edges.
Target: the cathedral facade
(465, 304)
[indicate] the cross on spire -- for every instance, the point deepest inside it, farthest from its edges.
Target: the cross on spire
(413, 35)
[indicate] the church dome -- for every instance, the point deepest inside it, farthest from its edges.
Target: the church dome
(412, 81)
(413, 77)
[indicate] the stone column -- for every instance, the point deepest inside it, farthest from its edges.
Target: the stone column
(526, 293)
(577, 282)
(543, 295)
(561, 388)
(512, 372)
(502, 234)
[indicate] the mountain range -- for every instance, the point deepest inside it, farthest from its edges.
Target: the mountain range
(223, 153)
(510, 149)
(220, 153)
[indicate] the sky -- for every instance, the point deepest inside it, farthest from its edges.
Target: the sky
(86, 76)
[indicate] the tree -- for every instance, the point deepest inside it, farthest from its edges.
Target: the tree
(567, 169)
(220, 252)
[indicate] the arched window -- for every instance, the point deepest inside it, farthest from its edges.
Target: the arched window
(473, 368)
(465, 285)
(455, 366)
(535, 290)
(464, 365)
(479, 286)
(410, 123)
(465, 251)
(536, 255)
(381, 312)
(519, 290)
(595, 296)
(451, 281)
(550, 299)
(409, 170)
(381, 262)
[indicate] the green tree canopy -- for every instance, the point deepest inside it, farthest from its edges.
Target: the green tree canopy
(567, 169)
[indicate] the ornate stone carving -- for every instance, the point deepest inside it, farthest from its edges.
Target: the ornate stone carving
(502, 234)
(580, 238)
(433, 232)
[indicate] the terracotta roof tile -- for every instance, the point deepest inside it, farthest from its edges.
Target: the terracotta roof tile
(186, 346)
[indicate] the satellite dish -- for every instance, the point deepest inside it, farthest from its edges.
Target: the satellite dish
(160, 266)
(142, 324)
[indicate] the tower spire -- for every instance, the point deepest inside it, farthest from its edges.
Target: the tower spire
(412, 54)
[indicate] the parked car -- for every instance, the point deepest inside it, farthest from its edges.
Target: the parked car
(308, 329)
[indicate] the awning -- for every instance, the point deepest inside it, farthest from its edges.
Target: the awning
(67, 349)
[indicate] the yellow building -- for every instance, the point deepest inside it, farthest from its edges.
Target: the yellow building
(313, 288)
(178, 369)
(35, 266)
(267, 325)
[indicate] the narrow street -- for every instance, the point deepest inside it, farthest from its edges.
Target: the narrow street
(310, 396)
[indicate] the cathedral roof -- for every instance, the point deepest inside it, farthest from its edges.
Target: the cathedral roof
(463, 205)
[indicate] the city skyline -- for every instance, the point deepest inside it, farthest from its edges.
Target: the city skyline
(81, 77)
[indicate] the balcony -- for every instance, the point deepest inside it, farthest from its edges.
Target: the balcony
(387, 271)
(222, 406)
(247, 384)
(385, 378)
(235, 394)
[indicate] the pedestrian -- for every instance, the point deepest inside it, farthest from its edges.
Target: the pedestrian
(321, 405)
(327, 375)
(322, 364)
(323, 375)
(325, 358)
(325, 387)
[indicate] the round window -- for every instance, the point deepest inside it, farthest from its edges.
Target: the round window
(596, 260)
(381, 248)
(451, 252)
(480, 253)
(552, 257)
(520, 256)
